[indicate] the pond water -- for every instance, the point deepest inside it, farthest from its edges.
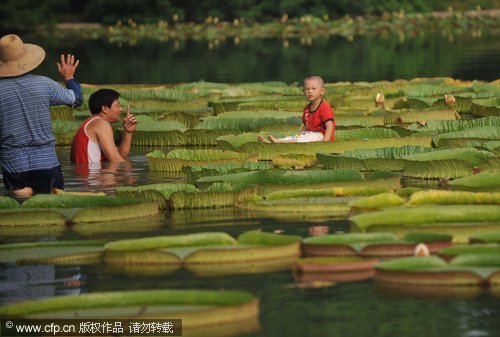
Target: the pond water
(360, 308)
(369, 58)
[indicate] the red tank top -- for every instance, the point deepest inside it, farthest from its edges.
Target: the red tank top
(83, 149)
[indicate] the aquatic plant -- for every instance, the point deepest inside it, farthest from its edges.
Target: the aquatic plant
(465, 270)
(196, 239)
(93, 208)
(376, 201)
(198, 309)
(485, 181)
(76, 252)
(380, 244)
(453, 197)
(175, 160)
(421, 215)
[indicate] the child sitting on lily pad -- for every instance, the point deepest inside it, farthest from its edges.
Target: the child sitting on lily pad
(317, 117)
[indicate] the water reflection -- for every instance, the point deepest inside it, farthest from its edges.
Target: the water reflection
(368, 58)
(113, 230)
(106, 176)
(38, 281)
(103, 176)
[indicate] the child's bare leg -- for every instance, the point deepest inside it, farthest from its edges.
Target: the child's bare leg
(450, 100)
(262, 139)
(380, 101)
(278, 140)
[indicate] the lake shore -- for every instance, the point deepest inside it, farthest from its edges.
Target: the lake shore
(454, 22)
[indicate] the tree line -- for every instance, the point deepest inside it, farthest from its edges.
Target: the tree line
(28, 15)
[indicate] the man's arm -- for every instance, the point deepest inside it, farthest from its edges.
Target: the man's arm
(129, 125)
(124, 147)
(105, 139)
(74, 86)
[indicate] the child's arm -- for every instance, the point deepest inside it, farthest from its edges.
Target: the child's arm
(328, 131)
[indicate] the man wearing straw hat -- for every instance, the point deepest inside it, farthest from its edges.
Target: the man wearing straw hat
(27, 144)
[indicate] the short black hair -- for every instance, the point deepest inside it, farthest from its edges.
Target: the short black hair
(102, 97)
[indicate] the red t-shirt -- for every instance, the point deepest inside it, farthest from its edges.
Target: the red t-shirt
(316, 120)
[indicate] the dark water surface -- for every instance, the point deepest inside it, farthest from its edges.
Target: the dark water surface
(370, 58)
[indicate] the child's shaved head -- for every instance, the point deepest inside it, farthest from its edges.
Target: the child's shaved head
(319, 79)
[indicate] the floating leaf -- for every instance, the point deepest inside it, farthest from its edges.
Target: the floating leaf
(437, 169)
(404, 216)
(471, 155)
(459, 138)
(453, 197)
(476, 249)
(53, 252)
(213, 306)
(486, 181)
(21, 217)
(266, 239)
(160, 192)
(187, 240)
(408, 117)
(8, 203)
(378, 201)
(113, 213)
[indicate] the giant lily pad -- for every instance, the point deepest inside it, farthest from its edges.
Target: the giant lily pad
(485, 238)
(211, 198)
(454, 197)
(103, 229)
(334, 269)
(53, 252)
(408, 117)
(85, 209)
(421, 215)
(175, 160)
(275, 178)
(486, 181)
(466, 270)
(343, 244)
(459, 138)
(256, 252)
(381, 200)
(306, 208)
(198, 309)
(268, 151)
(19, 217)
(334, 264)
(156, 242)
(8, 203)
(371, 244)
(476, 249)
(160, 193)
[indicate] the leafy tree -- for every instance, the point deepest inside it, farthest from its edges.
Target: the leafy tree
(22, 15)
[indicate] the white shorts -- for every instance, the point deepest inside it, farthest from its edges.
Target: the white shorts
(305, 137)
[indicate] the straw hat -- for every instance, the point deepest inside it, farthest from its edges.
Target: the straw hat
(17, 58)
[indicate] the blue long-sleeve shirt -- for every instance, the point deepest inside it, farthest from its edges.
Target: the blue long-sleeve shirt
(74, 86)
(26, 138)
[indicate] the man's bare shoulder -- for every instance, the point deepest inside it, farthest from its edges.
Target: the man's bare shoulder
(98, 129)
(101, 124)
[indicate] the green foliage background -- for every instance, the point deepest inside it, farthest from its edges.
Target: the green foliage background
(23, 15)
